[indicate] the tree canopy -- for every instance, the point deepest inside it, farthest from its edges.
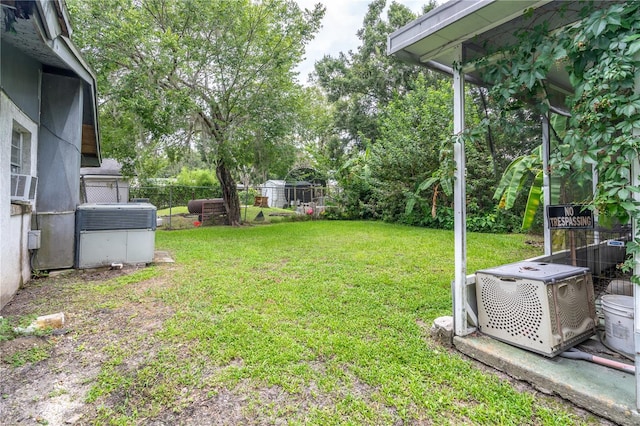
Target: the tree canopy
(360, 83)
(213, 73)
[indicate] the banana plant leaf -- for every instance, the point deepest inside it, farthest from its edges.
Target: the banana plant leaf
(516, 175)
(533, 202)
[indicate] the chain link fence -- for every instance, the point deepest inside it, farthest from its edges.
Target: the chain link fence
(169, 196)
(103, 190)
(299, 198)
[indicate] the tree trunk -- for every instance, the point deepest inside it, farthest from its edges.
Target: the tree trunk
(229, 193)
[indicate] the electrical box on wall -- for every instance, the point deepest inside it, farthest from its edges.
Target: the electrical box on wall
(33, 240)
(542, 307)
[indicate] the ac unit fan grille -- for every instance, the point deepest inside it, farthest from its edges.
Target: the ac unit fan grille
(103, 220)
(515, 310)
(546, 309)
(572, 305)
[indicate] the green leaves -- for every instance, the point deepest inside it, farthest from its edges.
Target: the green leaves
(361, 83)
(215, 71)
(516, 175)
(601, 56)
(405, 161)
(533, 201)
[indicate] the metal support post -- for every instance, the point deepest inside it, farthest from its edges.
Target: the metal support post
(459, 204)
(546, 185)
(635, 181)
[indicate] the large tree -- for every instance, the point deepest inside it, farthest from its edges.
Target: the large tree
(412, 129)
(216, 73)
(360, 83)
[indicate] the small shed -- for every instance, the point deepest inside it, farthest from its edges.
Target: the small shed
(275, 191)
(104, 184)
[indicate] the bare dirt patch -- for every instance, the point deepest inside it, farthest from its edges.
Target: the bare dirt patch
(54, 390)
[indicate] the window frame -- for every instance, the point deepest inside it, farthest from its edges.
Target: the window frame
(17, 163)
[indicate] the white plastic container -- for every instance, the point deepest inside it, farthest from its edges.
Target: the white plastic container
(618, 322)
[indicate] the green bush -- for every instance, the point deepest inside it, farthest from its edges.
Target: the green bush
(333, 213)
(165, 196)
(196, 177)
(248, 196)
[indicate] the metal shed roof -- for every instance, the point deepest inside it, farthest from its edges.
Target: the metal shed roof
(109, 167)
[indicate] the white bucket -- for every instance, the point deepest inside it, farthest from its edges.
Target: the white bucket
(618, 322)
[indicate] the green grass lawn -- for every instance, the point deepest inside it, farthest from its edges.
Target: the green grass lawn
(317, 322)
(332, 315)
(181, 219)
(173, 210)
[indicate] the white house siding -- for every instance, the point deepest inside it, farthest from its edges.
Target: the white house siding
(15, 219)
(48, 91)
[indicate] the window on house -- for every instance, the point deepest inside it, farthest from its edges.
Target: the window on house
(20, 150)
(23, 185)
(16, 151)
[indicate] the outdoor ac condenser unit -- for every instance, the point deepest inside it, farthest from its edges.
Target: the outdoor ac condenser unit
(114, 233)
(542, 307)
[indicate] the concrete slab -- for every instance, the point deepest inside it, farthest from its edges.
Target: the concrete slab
(61, 272)
(162, 257)
(604, 391)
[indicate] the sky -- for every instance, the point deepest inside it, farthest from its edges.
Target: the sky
(338, 33)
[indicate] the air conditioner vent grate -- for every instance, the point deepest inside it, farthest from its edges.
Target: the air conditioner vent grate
(516, 310)
(115, 216)
(23, 187)
(572, 304)
(541, 307)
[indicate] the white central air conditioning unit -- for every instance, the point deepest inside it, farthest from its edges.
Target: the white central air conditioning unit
(542, 307)
(23, 187)
(114, 233)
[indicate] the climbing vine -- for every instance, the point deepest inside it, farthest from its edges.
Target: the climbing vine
(602, 56)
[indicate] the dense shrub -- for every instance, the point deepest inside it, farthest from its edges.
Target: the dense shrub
(165, 196)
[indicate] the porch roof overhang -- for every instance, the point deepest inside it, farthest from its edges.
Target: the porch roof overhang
(480, 28)
(41, 29)
(448, 39)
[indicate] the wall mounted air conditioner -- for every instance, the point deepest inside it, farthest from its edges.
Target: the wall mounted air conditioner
(23, 187)
(542, 307)
(114, 233)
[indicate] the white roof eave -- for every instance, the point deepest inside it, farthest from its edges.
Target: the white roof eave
(434, 36)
